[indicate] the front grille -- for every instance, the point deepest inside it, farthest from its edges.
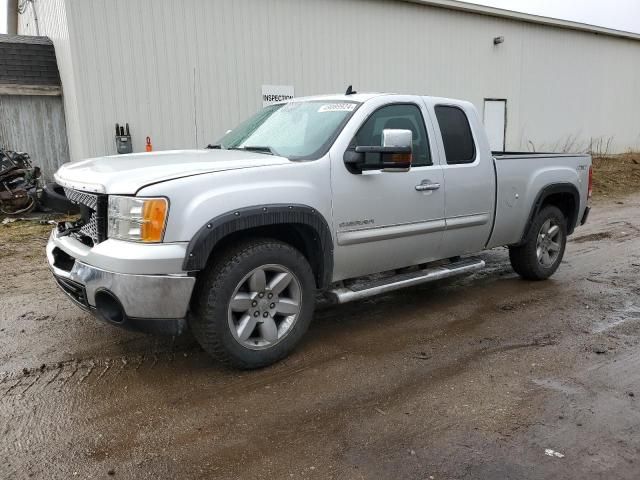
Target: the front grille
(83, 198)
(74, 290)
(93, 209)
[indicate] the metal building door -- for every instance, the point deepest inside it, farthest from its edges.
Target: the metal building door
(495, 123)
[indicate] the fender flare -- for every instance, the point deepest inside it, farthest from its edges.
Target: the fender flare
(544, 193)
(206, 239)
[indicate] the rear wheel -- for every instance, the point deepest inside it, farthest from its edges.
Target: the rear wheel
(254, 304)
(541, 254)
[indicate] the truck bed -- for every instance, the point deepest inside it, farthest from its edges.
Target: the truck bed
(521, 177)
(512, 155)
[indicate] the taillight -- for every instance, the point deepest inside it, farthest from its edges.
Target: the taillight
(590, 182)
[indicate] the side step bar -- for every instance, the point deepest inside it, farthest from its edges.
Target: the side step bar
(376, 287)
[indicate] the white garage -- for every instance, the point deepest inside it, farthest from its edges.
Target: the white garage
(182, 73)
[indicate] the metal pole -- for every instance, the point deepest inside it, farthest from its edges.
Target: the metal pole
(12, 17)
(35, 16)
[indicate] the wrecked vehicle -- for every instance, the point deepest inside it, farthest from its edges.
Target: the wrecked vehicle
(20, 187)
(313, 194)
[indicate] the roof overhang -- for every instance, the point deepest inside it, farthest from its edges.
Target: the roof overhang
(36, 90)
(524, 17)
(28, 66)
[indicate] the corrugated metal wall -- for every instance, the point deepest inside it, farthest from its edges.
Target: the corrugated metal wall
(53, 23)
(184, 72)
(36, 125)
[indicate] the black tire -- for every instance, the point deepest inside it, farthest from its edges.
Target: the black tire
(524, 258)
(209, 318)
(53, 198)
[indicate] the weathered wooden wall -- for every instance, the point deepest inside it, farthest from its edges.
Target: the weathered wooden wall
(35, 124)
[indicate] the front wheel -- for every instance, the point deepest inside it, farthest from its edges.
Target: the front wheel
(254, 304)
(540, 255)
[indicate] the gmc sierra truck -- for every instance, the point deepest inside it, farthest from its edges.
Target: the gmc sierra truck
(345, 196)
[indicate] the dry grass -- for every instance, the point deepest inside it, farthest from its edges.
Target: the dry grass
(24, 230)
(616, 175)
(24, 239)
(27, 236)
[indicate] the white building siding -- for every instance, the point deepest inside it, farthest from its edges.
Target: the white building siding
(184, 72)
(53, 23)
(577, 87)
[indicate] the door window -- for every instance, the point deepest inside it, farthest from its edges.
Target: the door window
(456, 135)
(400, 116)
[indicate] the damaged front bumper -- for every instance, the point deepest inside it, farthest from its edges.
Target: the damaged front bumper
(154, 303)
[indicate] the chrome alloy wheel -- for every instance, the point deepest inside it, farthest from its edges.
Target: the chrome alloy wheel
(264, 307)
(548, 243)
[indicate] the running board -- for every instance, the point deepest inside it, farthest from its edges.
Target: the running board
(376, 287)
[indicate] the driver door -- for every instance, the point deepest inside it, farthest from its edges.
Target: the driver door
(388, 220)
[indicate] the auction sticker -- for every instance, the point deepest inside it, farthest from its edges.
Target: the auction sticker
(337, 107)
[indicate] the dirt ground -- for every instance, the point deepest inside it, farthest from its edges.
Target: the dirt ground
(487, 377)
(616, 175)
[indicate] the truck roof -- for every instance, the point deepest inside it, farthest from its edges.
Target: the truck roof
(363, 97)
(356, 97)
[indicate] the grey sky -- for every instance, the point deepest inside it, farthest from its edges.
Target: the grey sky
(3, 16)
(618, 14)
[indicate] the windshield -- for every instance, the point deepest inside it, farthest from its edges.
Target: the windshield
(296, 130)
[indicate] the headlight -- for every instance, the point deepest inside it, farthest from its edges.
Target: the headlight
(137, 219)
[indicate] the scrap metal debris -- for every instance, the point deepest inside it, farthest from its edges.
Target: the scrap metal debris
(20, 186)
(553, 453)
(40, 221)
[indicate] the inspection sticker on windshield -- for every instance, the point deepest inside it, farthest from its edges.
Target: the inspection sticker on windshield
(337, 107)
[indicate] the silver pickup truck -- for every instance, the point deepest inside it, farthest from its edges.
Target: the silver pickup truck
(344, 195)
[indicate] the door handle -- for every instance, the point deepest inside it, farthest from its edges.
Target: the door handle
(425, 186)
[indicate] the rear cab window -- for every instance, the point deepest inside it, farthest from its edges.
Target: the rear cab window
(459, 145)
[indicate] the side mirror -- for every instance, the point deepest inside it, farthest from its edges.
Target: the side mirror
(400, 147)
(394, 155)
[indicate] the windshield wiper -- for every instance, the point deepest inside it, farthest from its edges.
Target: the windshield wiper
(256, 148)
(217, 146)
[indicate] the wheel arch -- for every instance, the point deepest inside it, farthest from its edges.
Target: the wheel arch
(563, 195)
(301, 226)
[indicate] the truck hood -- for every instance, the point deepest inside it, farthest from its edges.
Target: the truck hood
(126, 174)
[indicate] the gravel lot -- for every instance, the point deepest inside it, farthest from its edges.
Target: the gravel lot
(485, 377)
